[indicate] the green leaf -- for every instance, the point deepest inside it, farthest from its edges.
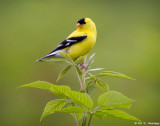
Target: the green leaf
(114, 99)
(63, 72)
(80, 59)
(78, 69)
(120, 114)
(53, 60)
(60, 91)
(114, 74)
(66, 56)
(73, 109)
(89, 82)
(90, 88)
(90, 60)
(102, 85)
(100, 114)
(85, 58)
(96, 69)
(43, 85)
(81, 99)
(53, 106)
(79, 115)
(125, 105)
(93, 77)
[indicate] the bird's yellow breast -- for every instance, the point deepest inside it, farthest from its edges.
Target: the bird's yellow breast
(84, 47)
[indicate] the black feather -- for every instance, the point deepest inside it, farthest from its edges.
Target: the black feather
(66, 43)
(82, 21)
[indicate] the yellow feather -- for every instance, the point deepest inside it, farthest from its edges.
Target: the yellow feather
(84, 47)
(76, 50)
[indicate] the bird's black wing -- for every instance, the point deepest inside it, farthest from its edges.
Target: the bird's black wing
(68, 42)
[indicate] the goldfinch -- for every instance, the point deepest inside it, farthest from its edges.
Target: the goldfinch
(78, 43)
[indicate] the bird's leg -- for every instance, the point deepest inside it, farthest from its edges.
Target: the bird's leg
(83, 66)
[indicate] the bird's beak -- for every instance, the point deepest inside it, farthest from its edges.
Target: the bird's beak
(78, 25)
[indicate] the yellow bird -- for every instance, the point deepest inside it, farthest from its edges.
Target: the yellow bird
(78, 43)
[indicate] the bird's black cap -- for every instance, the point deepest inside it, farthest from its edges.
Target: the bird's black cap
(82, 21)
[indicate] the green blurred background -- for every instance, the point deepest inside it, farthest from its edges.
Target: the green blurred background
(128, 42)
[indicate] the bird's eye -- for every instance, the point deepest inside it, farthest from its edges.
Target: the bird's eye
(82, 21)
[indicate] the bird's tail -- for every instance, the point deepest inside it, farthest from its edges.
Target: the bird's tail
(54, 54)
(46, 57)
(51, 55)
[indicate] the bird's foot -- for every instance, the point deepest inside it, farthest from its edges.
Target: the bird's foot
(83, 66)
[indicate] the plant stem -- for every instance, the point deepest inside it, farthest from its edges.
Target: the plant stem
(83, 79)
(76, 120)
(84, 86)
(90, 118)
(80, 81)
(96, 109)
(84, 119)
